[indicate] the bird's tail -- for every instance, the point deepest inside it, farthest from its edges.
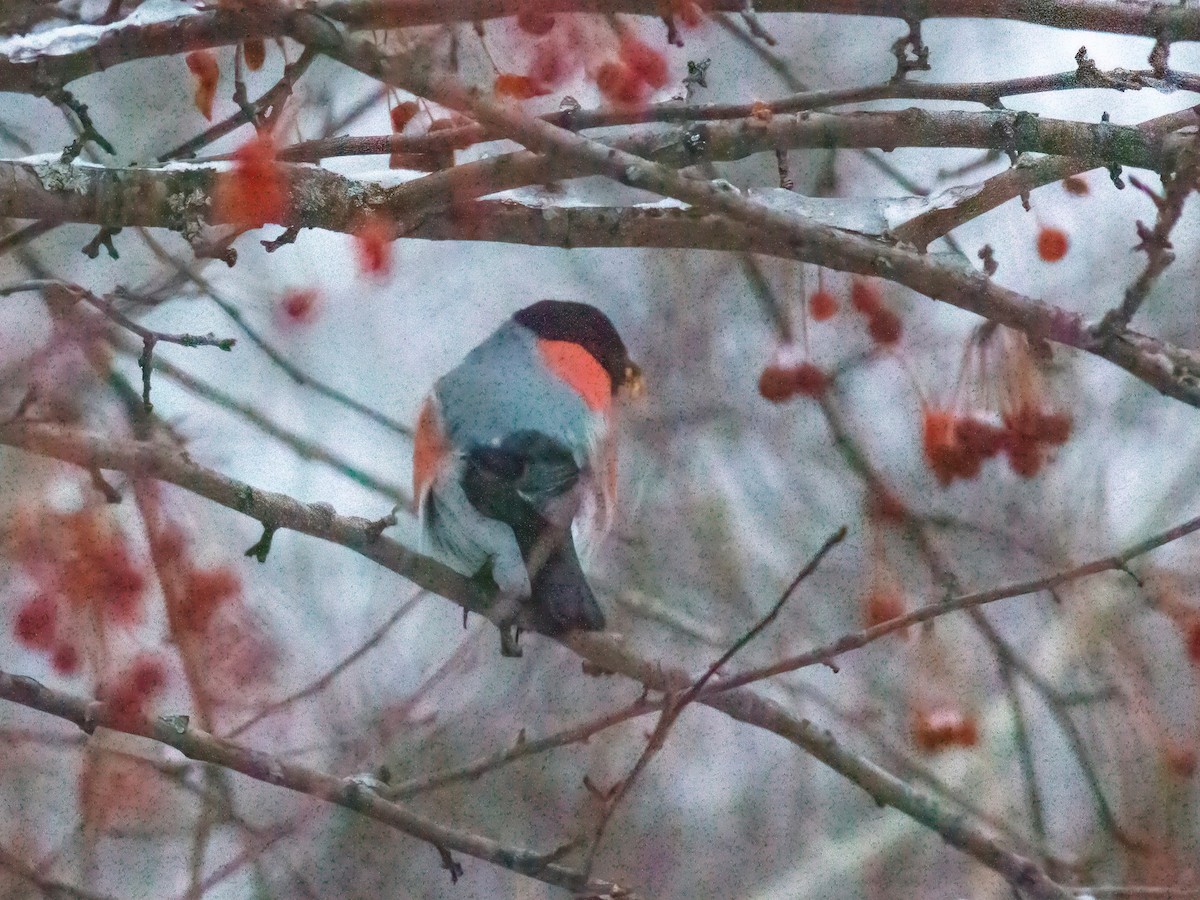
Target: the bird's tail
(562, 600)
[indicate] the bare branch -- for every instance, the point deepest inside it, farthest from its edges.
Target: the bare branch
(227, 26)
(176, 732)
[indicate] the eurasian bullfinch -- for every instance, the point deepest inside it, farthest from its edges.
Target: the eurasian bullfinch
(516, 444)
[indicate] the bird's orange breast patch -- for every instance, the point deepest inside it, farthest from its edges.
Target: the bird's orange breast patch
(580, 370)
(430, 449)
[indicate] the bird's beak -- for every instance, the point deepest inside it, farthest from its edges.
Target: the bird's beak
(635, 384)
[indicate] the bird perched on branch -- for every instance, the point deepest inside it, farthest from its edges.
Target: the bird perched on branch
(513, 447)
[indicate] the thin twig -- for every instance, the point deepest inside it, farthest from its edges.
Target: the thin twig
(294, 373)
(1156, 242)
(328, 678)
(855, 640)
(301, 446)
(675, 706)
(471, 771)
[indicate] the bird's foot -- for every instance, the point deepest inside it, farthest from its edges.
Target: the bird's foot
(510, 636)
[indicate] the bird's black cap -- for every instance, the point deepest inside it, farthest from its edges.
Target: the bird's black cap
(582, 324)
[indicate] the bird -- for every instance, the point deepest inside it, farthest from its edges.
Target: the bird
(516, 445)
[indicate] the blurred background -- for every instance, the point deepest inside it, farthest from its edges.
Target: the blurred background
(1066, 722)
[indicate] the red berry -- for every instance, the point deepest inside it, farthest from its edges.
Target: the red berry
(203, 66)
(373, 241)
(1052, 244)
(980, 436)
(619, 84)
(822, 306)
(882, 605)
(402, 114)
(864, 296)
(552, 63)
(646, 63)
(65, 659)
(775, 383)
(1193, 640)
(255, 53)
(1054, 427)
(37, 621)
(689, 12)
(884, 326)
(207, 590)
(938, 729)
(299, 306)
(809, 380)
(1077, 185)
(519, 87)
(255, 190)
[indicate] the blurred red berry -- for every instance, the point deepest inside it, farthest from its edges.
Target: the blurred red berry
(1193, 640)
(37, 622)
(207, 590)
(147, 676)
(519, 87)
(864, 296)
(203, 66)
(761, 112)
(939, 443)
(822, 306)
(1077, 185)
(884, 505)
(299, 306)
(980, 436)
(1054, 427)
(65, 659)
(689, 12)
(775, 383)
(884, 326)
(131, 692)
(809, 380)
(619, 84)
(254, 51)
(1180, 760)
(552, 62)
(401, 114)
(373, 242)
(646, 63)
(882, 604)
(1052, 243)
(255, 191)
(939, 729)
(787, 375)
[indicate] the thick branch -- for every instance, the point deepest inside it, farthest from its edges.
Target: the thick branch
(226, 26)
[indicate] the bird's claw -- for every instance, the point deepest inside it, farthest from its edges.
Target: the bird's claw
(510, 636)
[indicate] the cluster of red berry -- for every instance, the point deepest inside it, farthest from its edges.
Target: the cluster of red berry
(790, 373)
(84, 573)
(1016, 419)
